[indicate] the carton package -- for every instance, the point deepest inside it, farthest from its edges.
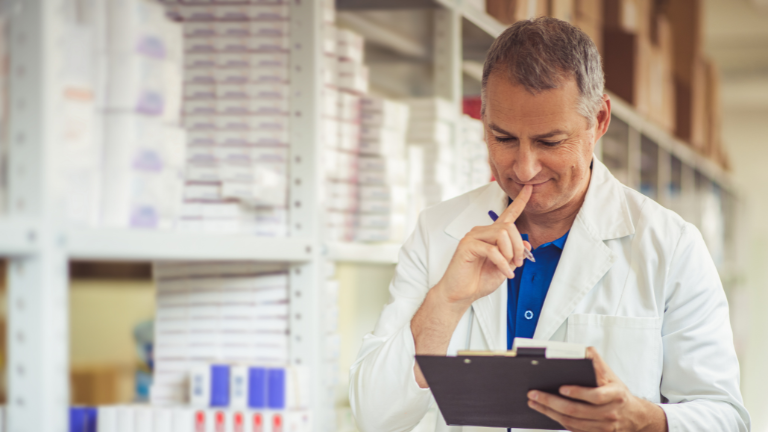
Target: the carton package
(591, 10)
(690, 106)
(511, 11)
(686, 22)
(593, 29)
(661, 84)
(625, 55)
(564, 10)
(713, 146)
(631, 16)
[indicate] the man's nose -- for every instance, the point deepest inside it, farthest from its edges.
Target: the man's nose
(526, 164)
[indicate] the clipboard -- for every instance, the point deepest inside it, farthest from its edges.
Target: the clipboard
(492, 390)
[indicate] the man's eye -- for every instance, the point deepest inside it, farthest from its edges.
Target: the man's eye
(550, 143)
(502, 139)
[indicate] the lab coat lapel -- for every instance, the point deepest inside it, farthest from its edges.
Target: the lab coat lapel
(586, 258)
(491, 310)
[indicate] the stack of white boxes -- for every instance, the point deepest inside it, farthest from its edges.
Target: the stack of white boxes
(138, 67)
(472, 162)
(236, 96)
(346, 80)
(383, 177)
(216, 312)
(75, 191)
(431, 128)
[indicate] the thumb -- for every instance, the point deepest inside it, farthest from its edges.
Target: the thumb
(603, 373)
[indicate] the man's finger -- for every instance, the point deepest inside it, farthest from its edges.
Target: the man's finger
(596, 396)
(570, 423)
(514, 210)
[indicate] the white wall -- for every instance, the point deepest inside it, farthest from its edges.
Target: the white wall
(746, 136)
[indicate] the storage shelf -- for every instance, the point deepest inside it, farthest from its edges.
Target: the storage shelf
(18, 237)
(671, 144)
(381, 253)
(136, 245)
(476, 16)
(21, 237)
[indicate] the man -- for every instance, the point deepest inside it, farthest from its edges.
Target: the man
(613, 269)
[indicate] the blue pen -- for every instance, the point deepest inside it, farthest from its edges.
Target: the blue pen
(528, 254)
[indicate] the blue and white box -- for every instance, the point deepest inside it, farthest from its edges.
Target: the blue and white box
(209, 385)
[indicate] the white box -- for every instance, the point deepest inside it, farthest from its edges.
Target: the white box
(138, 84)
(106, 419)
(349, 45)
(250, 43)
(431, 109)
(253, 106)
(250, 60)
(353, 77)
(393, 172)
(275, 75)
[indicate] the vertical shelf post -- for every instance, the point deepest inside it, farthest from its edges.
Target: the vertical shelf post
(664, 176)
(634, 154)
(306, 212)
(38, 330)
(447, 66)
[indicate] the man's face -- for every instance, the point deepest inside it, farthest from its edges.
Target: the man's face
(540, 140)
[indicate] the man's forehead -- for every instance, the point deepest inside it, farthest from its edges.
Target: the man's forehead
(508, 103)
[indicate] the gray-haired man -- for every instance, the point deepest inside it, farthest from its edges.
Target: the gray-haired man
(613, 269)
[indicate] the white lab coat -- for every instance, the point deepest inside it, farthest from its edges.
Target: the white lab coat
(634, 280)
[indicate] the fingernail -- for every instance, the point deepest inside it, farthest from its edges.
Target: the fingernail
(531, 404)
(533, 395)
(565, 391)
(519, 262)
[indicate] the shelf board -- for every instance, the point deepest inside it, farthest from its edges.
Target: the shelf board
(478, 17)
(671, 144)
(104, 244)
(375, 253)
(18, 237)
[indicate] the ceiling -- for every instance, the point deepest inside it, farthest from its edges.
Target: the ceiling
(736, 38)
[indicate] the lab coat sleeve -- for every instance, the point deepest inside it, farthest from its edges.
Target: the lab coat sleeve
(700, 377)
(383, 392)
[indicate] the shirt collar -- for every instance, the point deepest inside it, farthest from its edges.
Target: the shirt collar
(560, 243)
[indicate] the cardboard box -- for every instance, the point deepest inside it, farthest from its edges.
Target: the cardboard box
(661, 85)
(714, 133)
(511, 11)
(563, 10)
(686, 21)
(690, 112)
(632, 16)
(590, 9)
(622, 59)
(593, 29)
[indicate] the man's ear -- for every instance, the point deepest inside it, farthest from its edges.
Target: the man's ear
(603, 118)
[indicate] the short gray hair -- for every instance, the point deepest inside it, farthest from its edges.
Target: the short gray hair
(539, 54)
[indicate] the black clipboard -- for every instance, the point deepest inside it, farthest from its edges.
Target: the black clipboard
(492, 391)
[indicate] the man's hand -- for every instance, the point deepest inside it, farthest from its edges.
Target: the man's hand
(609, 406)
(484, 259)
(486, 256)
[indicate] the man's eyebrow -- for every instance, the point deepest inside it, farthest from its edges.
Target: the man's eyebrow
(549, 134)
(498, 129)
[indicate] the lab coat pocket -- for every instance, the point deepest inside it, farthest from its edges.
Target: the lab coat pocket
(631, 346)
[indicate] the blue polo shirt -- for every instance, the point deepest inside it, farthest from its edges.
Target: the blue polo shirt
(528, 289)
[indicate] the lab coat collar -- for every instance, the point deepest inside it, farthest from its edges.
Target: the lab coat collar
(585, 259)
(604, 210)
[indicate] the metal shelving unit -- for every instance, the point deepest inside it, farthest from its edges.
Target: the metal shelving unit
(39, 247)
